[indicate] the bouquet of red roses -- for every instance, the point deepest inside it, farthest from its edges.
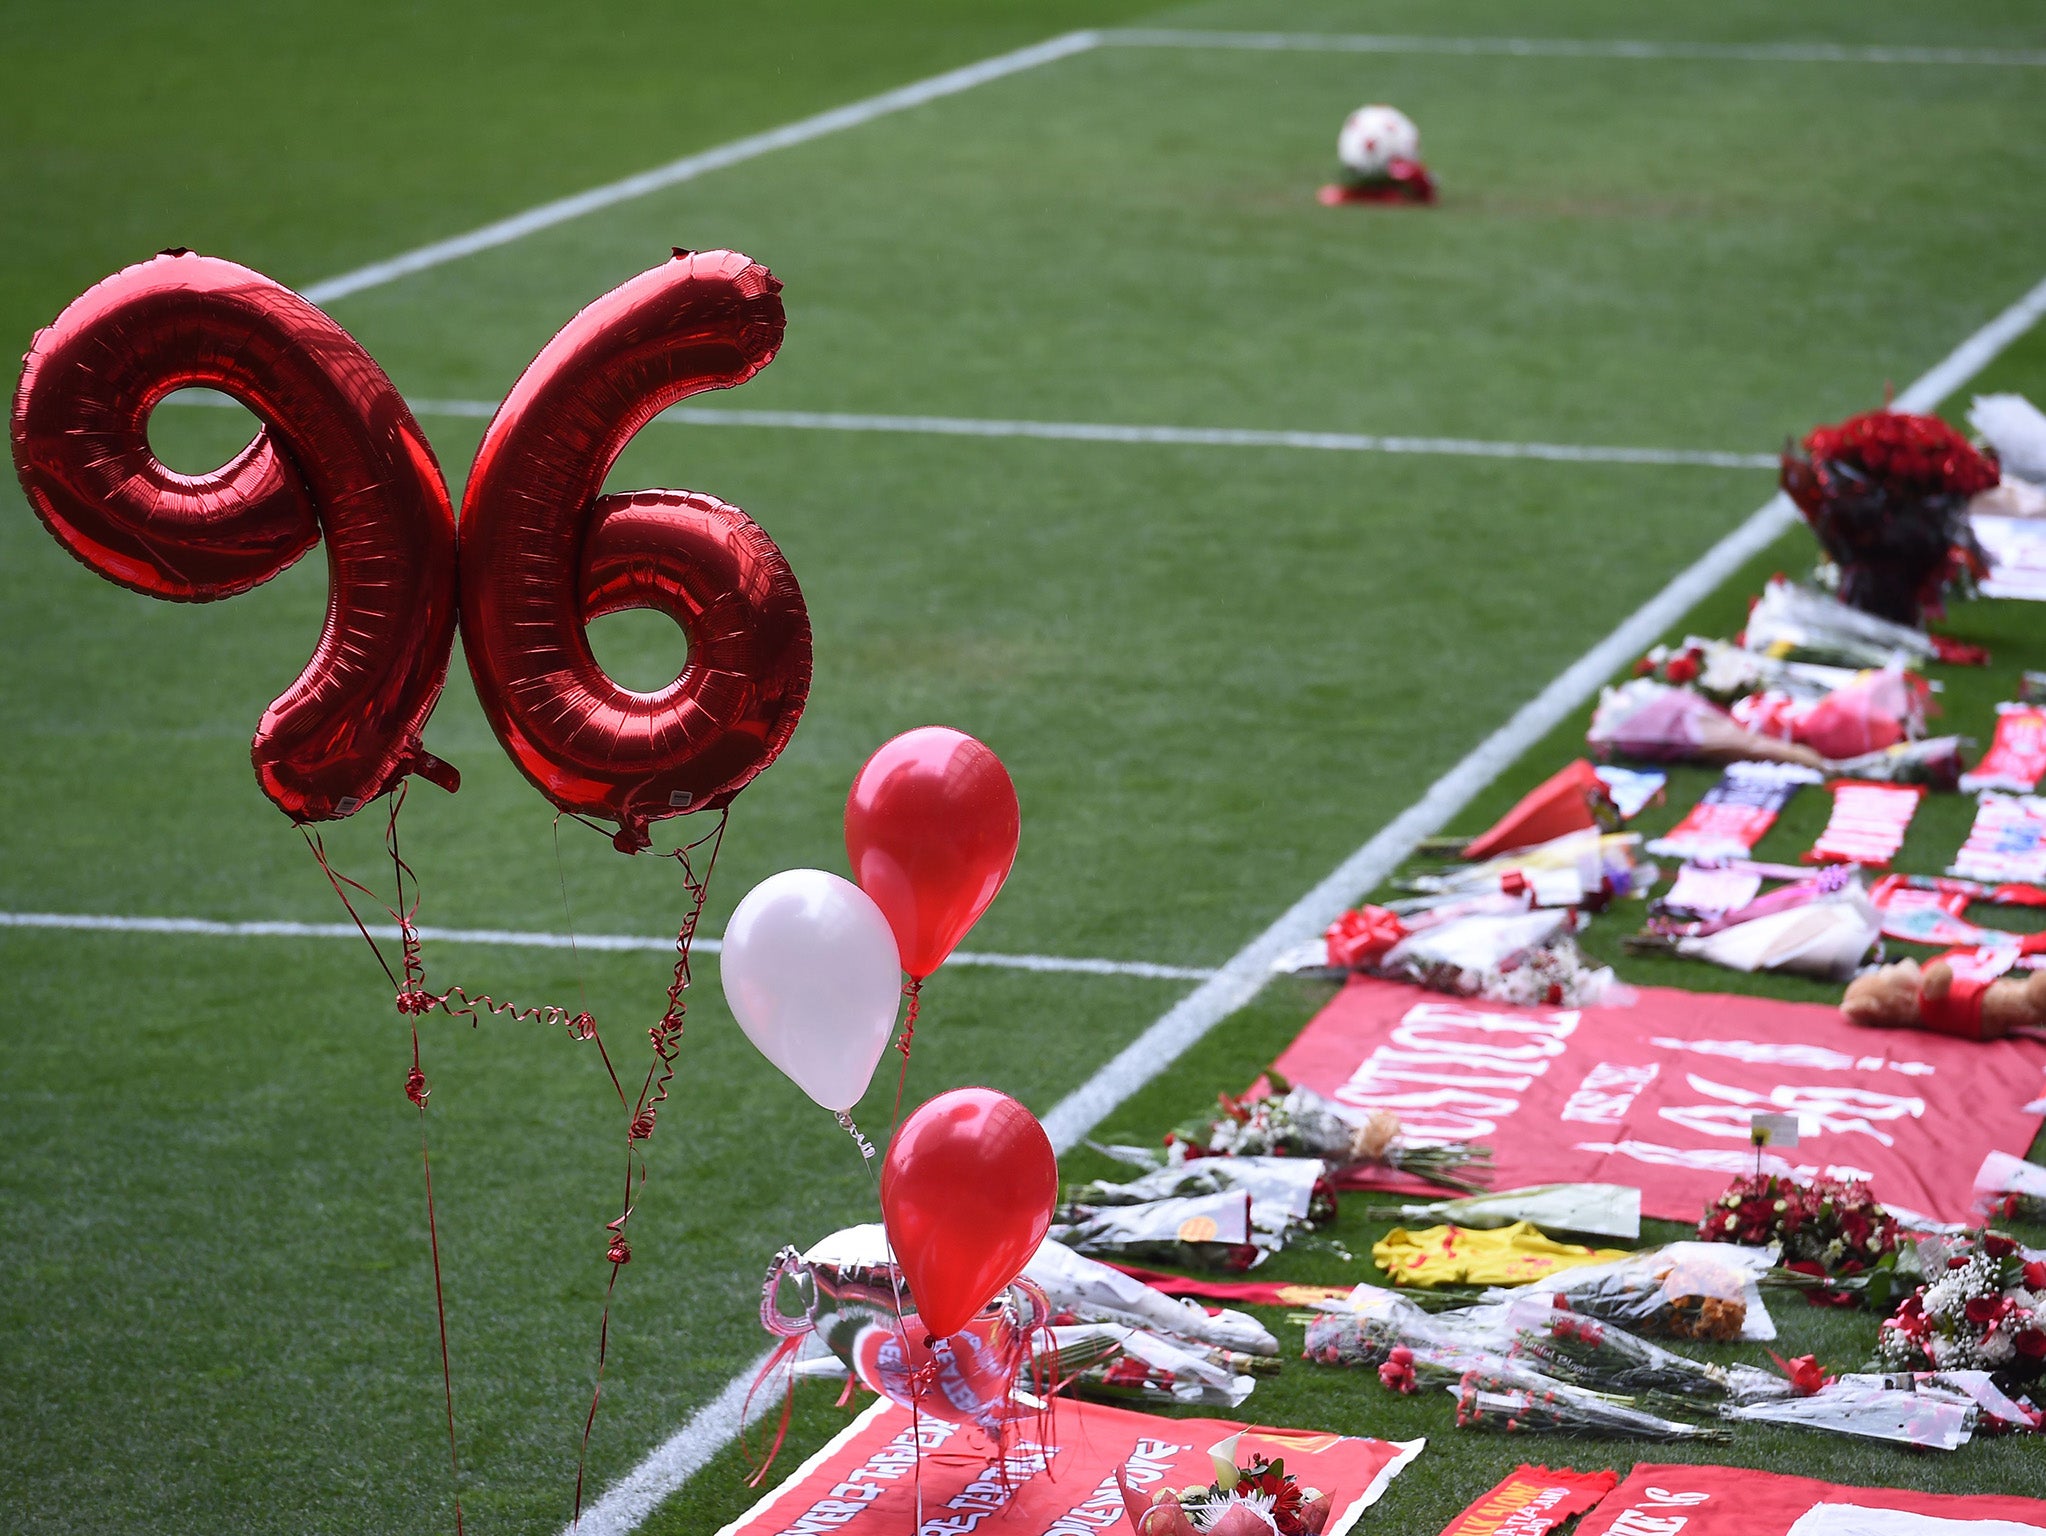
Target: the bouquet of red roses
(1829, 1229)
(1985, 1311)
(1886, 493)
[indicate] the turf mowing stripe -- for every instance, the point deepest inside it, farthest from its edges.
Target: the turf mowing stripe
(1571, 48)
(1246, 972)
(689, 167)
(1098, 432)
(512, 938)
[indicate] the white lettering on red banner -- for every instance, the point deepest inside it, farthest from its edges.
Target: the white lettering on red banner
(1481, 1062)
(1663, 1094)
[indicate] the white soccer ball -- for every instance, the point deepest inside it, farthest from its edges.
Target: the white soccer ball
(1375, 136)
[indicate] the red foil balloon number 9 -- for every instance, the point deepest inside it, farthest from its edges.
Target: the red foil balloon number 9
(339, 456)
(544, 552)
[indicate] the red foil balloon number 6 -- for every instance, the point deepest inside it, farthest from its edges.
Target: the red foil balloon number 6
(544, 552)
(339, 457)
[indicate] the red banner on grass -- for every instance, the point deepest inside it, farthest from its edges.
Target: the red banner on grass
(864, 1483)
(1663, 1094)
(1532, 1501)
(1658, 1500)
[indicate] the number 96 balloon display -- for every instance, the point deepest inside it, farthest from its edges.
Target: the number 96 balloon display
(543, 552)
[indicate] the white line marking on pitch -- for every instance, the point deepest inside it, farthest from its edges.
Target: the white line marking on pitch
(689, 167)
(514, 938)
(1571, 48)
(953, 82)
(1247, 971)
(1099, 432)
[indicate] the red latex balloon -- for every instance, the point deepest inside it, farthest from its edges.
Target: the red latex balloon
(931, 828)
(544, 552)
(339, 456)
(967, 1192)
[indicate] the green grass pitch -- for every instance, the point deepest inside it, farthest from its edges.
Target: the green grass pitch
(1212, 671)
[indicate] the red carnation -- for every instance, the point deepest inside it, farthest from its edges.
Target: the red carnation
(2031, 1344)
(1397, 1372)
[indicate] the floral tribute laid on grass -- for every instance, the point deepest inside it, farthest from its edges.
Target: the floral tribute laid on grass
(1886, 493)
(1828, 1229)
(1985, 1310)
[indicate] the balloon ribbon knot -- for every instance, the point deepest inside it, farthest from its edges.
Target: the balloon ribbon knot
(415, 1086)
(414, 1001)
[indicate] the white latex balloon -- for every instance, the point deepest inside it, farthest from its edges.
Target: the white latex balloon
(811, 973)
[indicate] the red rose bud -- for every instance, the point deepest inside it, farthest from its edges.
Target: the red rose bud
(2031, 1344)
(2035, 1276)
(1680, 669)
(1997, 1246)
(1957, 1262)
(1986, 1309)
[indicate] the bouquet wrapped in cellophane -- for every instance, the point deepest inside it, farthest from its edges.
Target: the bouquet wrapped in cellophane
(1518, 1410)
(1597, 1210)
(1213, 1232)
(1292, 1121)
(1374, 1329)
(1683, 1290)
(2010, 1189)
(1929, 1420)
(1080, 1289)
(1210, 1213)
(1589, 1353)
(1110, 1363)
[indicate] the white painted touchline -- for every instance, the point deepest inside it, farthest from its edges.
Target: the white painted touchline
(1217, 437)
(1246, 972)
(1570, 48)
(689, 167)
(1100, 432)
(516, 938)
(561, 210)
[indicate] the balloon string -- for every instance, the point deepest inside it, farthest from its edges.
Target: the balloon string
(866, 1147)
(666, 1038)
(414, 999)
(781, 1359)
(914, 991)
(417, 1091)
(409, 982)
